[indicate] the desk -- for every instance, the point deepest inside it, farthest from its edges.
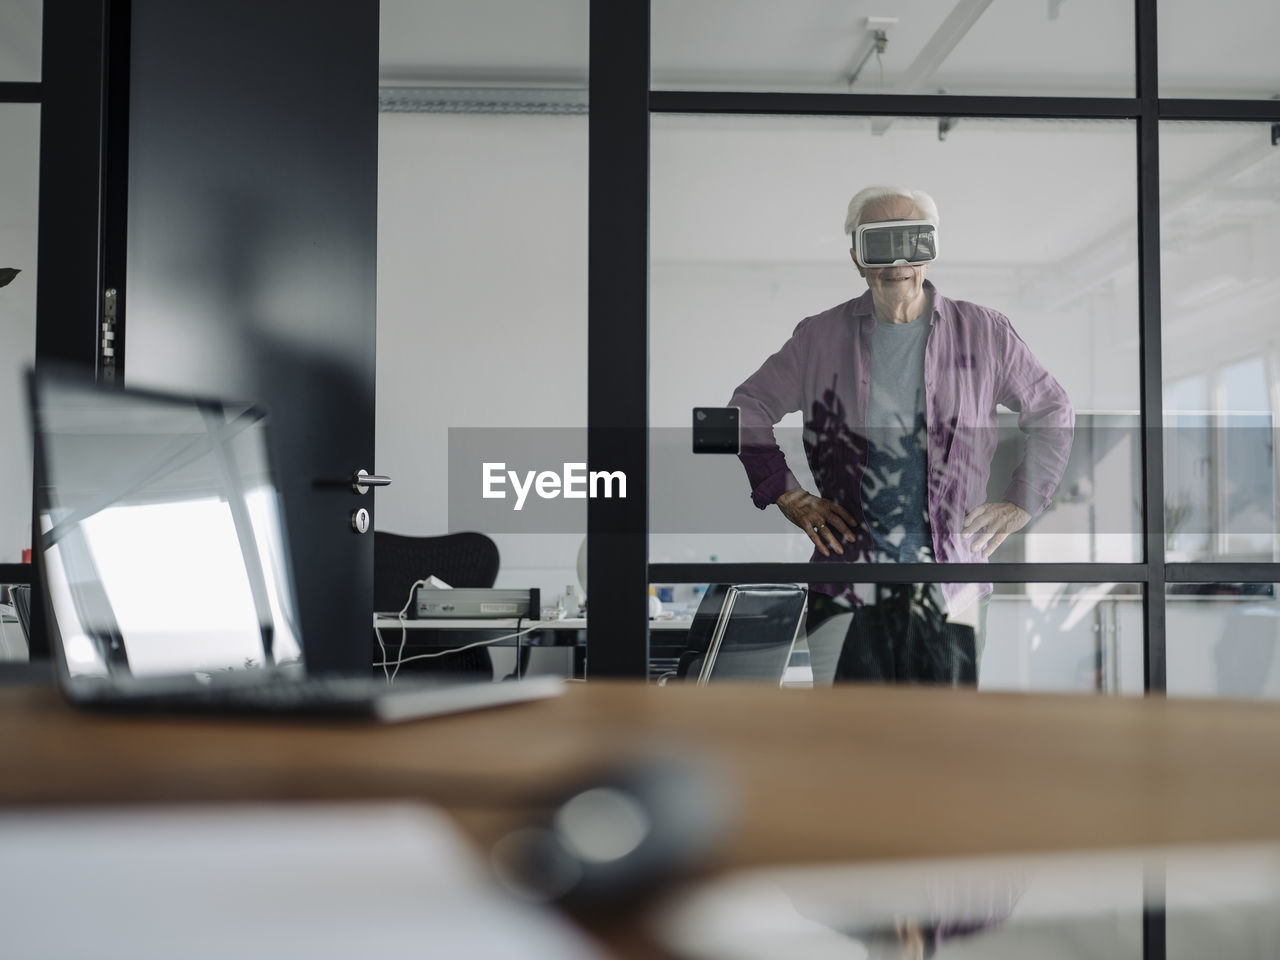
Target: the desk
(386, 622)
(570, 632)
(828, 775)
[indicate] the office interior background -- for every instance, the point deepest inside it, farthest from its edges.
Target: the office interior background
(483, 274)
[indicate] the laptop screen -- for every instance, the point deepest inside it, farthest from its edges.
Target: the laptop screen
(161, 534)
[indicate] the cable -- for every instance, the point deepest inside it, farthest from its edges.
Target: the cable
(377, 632)
(469, 646)
(404, 631)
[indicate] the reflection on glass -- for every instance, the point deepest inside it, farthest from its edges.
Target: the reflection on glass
(162, 535)
(1218, 292)
(1005, 47)
(1221, 640)
(19, 193)
(14, 621)
(738, 633)
(1213, 901)
(1084, 638)
(932, 410)
(21, 28)
(517, 348)
(1223, 50)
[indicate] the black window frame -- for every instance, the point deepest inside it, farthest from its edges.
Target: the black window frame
(622, 104)
(84, 73)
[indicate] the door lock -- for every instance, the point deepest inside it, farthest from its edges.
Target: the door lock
(360, 520)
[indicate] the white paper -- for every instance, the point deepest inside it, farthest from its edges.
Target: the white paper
(311, 881)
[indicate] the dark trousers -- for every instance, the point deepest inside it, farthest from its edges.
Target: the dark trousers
(904, 637)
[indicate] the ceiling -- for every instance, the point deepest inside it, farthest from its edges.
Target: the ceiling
(1078, 176)
(1050, 47)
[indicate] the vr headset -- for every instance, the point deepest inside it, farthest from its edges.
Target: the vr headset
(892, 242)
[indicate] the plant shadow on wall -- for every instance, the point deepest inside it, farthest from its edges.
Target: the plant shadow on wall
(7, 274)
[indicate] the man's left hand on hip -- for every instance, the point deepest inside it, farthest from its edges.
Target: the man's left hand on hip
(989, 524)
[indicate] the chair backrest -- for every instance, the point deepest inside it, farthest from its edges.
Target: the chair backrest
(825, 642)
(22, 605)
(744, 632)
(459, 559)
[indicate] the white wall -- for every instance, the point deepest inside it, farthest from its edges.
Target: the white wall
(19, 192)
(482, 293)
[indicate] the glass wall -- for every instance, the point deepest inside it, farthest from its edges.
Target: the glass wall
(1059, 637)
(19, 193)
(14, 607)
(1222, 640)
(482, 272)
(992, 47)
(21, 29)
(1224, 50)
(1037, 225)
(1219, 243)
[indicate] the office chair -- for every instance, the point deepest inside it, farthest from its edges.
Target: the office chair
(20, 598)
(459, 559)
(743, 632)
(825, 642)
(21, 595)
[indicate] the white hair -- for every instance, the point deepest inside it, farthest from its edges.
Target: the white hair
(872, 195)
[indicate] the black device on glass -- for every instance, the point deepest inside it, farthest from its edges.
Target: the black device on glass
(716, 429)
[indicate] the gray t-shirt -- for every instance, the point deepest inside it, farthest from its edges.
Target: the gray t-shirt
(895, 485)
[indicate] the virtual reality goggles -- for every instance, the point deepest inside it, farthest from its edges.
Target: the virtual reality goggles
(893, 242)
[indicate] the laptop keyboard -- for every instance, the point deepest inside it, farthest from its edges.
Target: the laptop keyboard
(321, 695)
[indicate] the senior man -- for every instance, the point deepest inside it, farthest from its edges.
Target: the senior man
(899, 389)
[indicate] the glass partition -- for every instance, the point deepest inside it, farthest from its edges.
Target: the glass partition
(1223, 50)
(19, 195)
(1083, 638)
(1221, 640)
(482, 269)
(1031, 391)
(1219, 240)
(21, 29)
(15, 611)
(1006, 47)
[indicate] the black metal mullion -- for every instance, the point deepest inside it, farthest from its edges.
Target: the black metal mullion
(898, 572)
(1151, 385)
(20, 92)
(113, 244)
(1151, 379)
(68, 296)
(1222, 572)
(13, 573)
(618, 336)
(1264, 111)
(892, 105)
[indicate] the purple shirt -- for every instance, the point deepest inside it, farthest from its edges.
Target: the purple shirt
(973, 361)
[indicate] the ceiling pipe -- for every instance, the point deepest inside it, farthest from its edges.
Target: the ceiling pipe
(945, 39)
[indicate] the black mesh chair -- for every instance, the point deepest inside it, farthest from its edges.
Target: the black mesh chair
(459, 559)
(22, 606)
(743, 632)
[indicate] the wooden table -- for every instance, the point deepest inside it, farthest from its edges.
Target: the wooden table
(829, 774)
(821, 775)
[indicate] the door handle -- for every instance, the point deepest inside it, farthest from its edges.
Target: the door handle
(362, 480)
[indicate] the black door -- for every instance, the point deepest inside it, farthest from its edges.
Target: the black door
(251, 249)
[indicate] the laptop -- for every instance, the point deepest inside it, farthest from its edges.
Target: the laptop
(168, 579)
